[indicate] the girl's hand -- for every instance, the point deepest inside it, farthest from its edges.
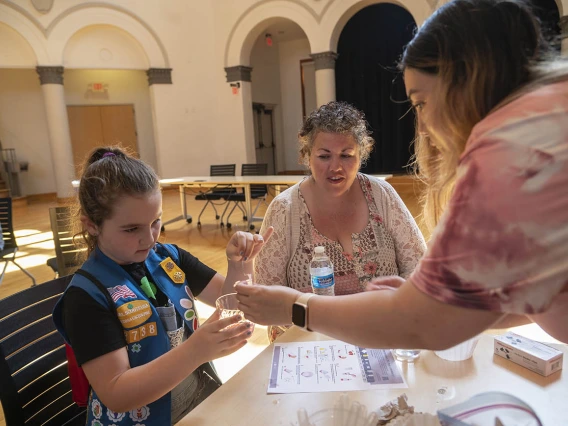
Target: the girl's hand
(385, 283)
(219, 337)
(244, 246)
(266, 305)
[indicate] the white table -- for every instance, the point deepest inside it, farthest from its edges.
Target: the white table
(208, 182)
(243, 400)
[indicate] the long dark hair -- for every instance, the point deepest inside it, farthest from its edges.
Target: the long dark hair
(484, 52)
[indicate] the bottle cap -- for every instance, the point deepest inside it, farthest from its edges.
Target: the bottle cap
(319, 249)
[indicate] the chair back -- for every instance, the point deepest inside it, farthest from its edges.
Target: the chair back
(34, 382)
(7, 225)
(223, 170)
(256, 170)
(66, 253)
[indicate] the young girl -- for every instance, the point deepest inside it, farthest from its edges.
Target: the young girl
(149, 366)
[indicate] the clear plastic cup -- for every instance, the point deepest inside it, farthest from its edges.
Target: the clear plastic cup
(228, 305)
(459, 352)
(406, 355)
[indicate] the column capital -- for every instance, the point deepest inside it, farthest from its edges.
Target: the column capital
(563, 24)
(50, 75)
(324, 60)
(238, 73)
(159, 76)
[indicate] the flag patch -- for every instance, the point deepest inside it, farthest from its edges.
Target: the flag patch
(121, 292)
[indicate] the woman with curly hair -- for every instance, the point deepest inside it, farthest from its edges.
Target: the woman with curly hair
(366, 229)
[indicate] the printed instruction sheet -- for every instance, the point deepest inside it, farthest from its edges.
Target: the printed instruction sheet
(332, 365)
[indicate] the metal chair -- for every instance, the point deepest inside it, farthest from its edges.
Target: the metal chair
(221, 192)
(8, 253)
(67, 255)
(257, 192)
(34, 382)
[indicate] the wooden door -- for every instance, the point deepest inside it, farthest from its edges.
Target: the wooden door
(92, 126)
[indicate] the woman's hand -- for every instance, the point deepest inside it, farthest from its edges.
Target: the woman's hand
(219, 337)
(385, 283)
(266, 305)
(244, 246)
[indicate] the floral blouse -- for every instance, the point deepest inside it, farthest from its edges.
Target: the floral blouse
(502, 244)
(390, 244)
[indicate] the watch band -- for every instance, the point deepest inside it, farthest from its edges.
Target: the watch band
(303, 302)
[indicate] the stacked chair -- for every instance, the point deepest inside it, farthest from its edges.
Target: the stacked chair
(67, 255)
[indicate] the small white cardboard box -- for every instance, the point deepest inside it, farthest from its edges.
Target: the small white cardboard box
(535, 356)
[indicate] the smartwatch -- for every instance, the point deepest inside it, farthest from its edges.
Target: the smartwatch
(300, 311)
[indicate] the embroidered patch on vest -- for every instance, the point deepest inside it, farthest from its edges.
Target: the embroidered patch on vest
(173, 271)
(121, 292)
(115, 417)
(96, 409)
(137, 334)
(134, 313)
(140, 414)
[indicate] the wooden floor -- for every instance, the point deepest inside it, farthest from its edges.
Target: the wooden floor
(35, 241)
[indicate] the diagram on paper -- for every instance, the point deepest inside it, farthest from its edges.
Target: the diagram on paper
(331, 366)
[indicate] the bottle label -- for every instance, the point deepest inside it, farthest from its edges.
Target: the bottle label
(325, 281)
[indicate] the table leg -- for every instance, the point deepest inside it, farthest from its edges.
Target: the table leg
(184, 215)
(248, 205)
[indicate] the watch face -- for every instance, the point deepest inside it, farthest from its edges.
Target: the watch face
(299, 315)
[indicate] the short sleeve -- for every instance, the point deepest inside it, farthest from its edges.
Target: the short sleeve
(501, 244)
(197, 273)
(92, 328)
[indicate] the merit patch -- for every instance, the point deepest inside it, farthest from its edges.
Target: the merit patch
(134, 313)
(173, 271)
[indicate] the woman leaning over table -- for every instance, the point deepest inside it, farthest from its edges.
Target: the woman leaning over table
(361, 221)
(493, 134)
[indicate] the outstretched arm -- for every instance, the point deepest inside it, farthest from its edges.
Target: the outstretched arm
(405, 318)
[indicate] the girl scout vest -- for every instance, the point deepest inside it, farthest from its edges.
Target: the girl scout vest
(145, 335)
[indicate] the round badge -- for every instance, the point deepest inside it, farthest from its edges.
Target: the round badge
(170, 266)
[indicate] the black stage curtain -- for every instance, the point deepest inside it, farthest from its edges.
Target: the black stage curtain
(369, 47)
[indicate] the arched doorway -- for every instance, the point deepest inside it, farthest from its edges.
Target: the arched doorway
(283, 87)
(369, 47)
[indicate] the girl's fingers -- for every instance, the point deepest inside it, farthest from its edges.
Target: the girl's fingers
(224, 323)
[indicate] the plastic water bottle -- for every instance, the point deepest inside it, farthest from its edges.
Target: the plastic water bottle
(321, 273)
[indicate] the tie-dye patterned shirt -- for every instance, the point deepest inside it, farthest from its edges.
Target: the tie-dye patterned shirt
(502, 243)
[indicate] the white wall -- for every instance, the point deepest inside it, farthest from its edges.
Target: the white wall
(124, 87)
(15, 51)
(197, 121)
(265, 62)
(291, 52)
(104, 46)
(23, 126)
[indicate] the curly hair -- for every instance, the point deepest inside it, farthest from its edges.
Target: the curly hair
(335, 117)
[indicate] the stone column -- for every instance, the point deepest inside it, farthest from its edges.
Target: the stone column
(160, 83)
(564, 35)
(51, 80)
(241, 74)
(324, 63)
